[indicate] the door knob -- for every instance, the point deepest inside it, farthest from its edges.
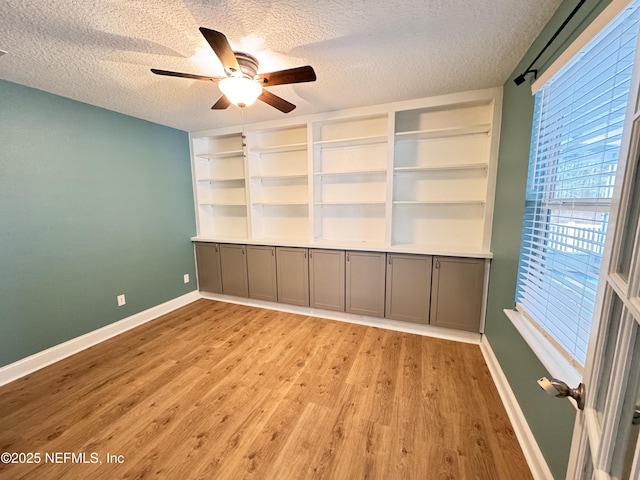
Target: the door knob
(559, 389)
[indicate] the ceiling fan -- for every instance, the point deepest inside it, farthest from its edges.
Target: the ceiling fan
(243, 85)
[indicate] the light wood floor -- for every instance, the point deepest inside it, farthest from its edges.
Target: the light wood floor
(223, 391)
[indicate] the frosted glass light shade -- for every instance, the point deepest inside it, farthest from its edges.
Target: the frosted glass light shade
(240, 91)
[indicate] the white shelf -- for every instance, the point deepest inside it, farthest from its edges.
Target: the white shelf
(352, 172)
(229, 179)
(279, 177)
(220, 155)
(418, 248)
(351, 142)
(458, 166)
(438, 202)
(352, 202)
(222, 204)
(292, 147)
(439, 249)
(284, 241)
(280, 204)
(348, 244)
(443, 132)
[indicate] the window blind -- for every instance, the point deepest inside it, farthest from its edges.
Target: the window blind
(577, 127)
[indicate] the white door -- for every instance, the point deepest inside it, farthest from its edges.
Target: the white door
(605, 442)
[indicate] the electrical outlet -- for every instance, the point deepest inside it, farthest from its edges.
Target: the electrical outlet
(121, 300)
(186, 278)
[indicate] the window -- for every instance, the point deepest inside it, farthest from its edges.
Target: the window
(577, 127)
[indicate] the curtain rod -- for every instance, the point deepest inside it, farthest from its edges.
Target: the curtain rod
(519, 80)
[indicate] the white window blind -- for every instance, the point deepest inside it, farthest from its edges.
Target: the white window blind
(577, 128)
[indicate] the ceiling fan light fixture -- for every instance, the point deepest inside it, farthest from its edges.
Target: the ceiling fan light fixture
(243, 85)
(241, 91)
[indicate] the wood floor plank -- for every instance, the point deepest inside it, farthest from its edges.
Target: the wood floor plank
(217, 390)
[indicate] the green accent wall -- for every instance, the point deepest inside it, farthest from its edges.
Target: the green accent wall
(93, 204)
(551, 420)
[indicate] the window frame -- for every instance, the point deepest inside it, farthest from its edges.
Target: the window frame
(555, 359)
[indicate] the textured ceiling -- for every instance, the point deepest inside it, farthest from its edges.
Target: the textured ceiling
(363, 52)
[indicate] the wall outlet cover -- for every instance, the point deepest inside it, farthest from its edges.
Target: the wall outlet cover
(186, 278)
(121, 300)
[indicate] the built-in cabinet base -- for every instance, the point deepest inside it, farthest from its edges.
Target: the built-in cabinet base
(261, 272)
(293, 275)
(233, 266)
(456, 294)
(423, 289)
(408, 287)
(365, 283)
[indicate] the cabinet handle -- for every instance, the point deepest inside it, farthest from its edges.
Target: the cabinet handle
(305, 254)
(310, 253)
(273, 252)
(243, 250)
(216, 248)
(437, 262)
(347, 256)
(389, 259)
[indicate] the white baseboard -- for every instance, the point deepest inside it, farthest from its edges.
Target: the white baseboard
(533, 455)
(34, 362)
(406, 327)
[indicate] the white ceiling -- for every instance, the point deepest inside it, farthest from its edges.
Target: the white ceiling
(364, 52)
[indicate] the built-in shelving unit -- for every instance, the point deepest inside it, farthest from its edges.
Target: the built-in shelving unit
(350, 179)
(220, 186)
(279, 177)
(441, 166)
(415, 176)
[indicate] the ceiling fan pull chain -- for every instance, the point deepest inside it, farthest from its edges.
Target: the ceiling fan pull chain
(244, 135)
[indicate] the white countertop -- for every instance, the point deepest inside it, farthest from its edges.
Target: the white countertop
(442, 250)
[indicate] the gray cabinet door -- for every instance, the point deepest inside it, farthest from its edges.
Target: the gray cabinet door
(208, 263)
(293, 275)
(326, 279)
(233, 262)
(365, 283)
(261, 272)
(408, 287)
(456, 293)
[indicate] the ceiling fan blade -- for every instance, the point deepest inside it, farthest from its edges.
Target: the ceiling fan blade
(183, 75)
(221, 47)
(222, 103)
(292, 75)
(276, 101)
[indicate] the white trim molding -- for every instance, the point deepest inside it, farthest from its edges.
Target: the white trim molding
(387, 324)
(552, 359)
(532, 453)
(39, 360)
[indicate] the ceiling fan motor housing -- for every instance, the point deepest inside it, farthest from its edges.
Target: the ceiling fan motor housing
(248, 64)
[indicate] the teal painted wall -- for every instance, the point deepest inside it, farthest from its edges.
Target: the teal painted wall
(551, 420)
(92, 204)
